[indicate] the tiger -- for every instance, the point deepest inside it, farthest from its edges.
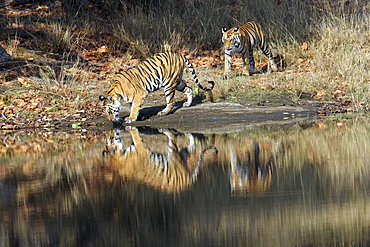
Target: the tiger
(174, 171)
(242, 39)
(134, 84)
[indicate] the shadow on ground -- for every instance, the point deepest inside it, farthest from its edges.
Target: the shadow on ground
(218, 117)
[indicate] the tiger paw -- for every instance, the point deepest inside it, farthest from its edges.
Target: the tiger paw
(162, 113)
(226, 77)
(251, 73)
(129, 120)
(162, 130)
(117, 120)
(186, 104)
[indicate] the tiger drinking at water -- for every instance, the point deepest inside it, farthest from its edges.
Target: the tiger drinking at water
(133, 85)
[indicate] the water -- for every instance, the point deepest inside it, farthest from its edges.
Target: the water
(303, 184)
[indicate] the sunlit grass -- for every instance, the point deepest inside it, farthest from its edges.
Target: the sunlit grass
(342, 56)
(324, 46)
(60, 37)
(333, 65)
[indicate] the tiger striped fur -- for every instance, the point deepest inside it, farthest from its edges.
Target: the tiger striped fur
(133, 85)
(242, 39)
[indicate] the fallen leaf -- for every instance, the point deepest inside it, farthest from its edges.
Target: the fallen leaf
(304, 46)
(340, 124)
(319, 125)
(103, 49)
(18, 102)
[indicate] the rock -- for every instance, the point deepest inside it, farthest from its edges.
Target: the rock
(4, 56)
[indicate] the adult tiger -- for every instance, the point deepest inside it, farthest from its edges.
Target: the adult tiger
(242, 39)
(133, 85)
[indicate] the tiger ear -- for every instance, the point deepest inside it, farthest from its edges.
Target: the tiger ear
(101, 98)
(224, 29)
(236, 30)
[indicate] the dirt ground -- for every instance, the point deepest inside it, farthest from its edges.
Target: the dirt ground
(222, 117)
(225, 116)
(40, 88)
(203, 116)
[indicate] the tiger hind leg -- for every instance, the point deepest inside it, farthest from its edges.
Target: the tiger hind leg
(272, 66)
(189, 93)
(182, 87)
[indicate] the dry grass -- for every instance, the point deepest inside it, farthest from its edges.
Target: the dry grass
(342, 56)
(334, 65)
(337, 57)
(192, 25)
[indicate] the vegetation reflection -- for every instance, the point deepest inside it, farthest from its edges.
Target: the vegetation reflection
(302, 184)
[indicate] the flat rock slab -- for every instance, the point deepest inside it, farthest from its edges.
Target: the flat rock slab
(219, 117)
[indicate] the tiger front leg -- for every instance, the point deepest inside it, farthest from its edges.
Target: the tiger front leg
(227, 69)
(251, 62)
(135, 107)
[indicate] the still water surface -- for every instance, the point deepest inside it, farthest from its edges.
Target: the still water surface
(301, 184)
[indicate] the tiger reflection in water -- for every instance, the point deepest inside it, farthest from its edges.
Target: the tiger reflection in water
(172, 172)
(251, 170)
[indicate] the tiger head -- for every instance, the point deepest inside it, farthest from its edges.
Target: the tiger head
(231, 39)
(112, 106)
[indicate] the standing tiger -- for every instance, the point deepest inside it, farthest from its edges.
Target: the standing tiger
(242, 39)
(133, 85)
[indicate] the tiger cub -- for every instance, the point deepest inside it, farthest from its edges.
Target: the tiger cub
(133, 85)
(242, 39)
